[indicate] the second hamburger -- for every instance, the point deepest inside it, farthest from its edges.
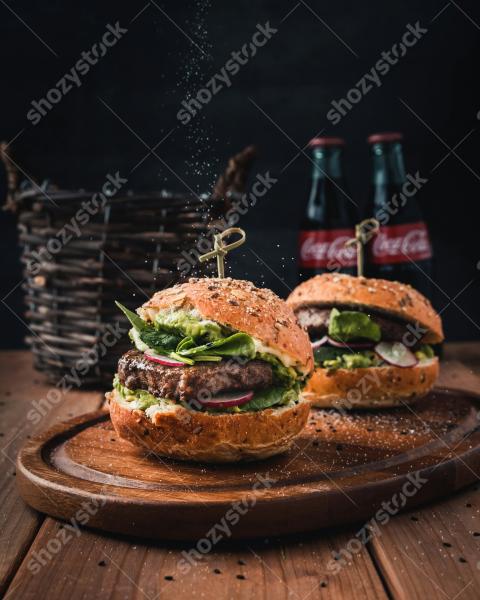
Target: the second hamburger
(371, 340)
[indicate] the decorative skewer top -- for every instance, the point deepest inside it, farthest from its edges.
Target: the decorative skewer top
(220, 250)
(364, 231)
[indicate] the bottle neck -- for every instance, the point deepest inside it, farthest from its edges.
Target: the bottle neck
(327, 162)
(388, 165)
(326, 201)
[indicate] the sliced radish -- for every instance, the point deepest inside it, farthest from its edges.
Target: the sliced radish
(396, 353)
(227, 400)
(320, 342)
(166, 361)
(333, 342)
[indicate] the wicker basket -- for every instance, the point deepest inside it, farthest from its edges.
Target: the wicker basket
(125, 252)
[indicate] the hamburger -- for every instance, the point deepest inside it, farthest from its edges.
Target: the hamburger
(215, 374)
(372, 341)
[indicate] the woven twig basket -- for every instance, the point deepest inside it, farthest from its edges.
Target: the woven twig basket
(125, 252)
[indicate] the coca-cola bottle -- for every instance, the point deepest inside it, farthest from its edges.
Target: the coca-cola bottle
(331, 214)
(401, 250)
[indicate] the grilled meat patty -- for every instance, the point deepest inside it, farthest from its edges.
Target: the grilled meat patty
(188, 383)
(315, 321)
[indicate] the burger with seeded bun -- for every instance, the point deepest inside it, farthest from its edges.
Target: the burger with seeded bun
(372, 341)
(215, 374)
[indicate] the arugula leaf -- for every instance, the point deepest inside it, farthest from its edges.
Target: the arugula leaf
(238, 344)
(138, 323)
(207, 358)
(184, 359)
(187, 342)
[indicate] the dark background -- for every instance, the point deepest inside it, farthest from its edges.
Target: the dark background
(293, 79)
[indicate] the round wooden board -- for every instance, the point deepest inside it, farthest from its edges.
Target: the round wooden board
(340, 470)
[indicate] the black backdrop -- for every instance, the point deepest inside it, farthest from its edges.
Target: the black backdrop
(277, 101)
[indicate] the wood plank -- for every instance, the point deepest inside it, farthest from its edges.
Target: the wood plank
(21, 385)
(97, 566)
(458, 375)
(76, 570)
(433, 553)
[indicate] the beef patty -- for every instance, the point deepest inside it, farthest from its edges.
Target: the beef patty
(188, 383)
(315, 320)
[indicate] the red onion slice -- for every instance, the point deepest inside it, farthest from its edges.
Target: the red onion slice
(166, 361)
(396, 354)
(227, 400)
(320, 342)
(347, 345)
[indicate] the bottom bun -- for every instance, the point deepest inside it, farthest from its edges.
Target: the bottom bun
(176, 432)
(374, 387)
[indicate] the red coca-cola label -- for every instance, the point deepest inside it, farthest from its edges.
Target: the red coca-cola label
(401, 243)
(326, 249)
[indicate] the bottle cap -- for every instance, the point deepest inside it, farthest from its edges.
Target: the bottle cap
(386, 136)
(326, 141)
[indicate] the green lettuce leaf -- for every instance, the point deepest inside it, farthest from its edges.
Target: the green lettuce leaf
(177, 334)
(349, 326)
(277, 396)
(238, 344)
(327, 353)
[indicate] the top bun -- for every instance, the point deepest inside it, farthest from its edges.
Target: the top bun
(392, 298)
(240, 305)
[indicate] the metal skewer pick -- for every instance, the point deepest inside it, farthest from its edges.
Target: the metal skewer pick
(364, 231)
(220, 250)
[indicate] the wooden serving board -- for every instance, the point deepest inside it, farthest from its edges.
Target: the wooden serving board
(340, 470)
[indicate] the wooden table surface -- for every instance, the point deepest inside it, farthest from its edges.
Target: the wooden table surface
(433, 552)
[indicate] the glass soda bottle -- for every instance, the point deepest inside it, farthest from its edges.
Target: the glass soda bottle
(330, 216)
